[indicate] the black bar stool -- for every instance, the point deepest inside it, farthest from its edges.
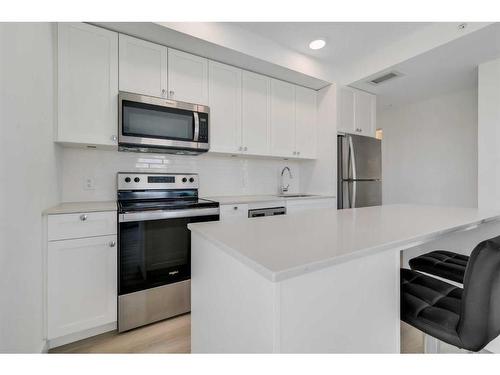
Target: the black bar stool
(442, 263)
(468, 318)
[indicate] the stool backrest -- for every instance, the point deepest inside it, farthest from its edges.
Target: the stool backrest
(480, 309)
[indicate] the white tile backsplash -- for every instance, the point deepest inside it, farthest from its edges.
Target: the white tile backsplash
(219, 175)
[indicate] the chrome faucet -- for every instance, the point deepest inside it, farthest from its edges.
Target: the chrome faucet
(283, 188)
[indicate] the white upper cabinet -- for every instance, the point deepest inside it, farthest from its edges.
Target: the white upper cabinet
(357, 112)
(364, 114)
(143, 67)
(87, 85)
(306, 137)
(250, 114)
(187, 77)
(346, 110)
(255, 114)
(225, 107)
(282, 118)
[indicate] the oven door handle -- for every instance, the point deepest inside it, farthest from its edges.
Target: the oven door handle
(160, 214)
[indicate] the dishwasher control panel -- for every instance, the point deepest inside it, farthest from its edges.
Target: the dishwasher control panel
(271, 211)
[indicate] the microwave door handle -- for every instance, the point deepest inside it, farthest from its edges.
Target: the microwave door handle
(196, 127)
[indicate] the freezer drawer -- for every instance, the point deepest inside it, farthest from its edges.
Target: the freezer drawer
(361, 194)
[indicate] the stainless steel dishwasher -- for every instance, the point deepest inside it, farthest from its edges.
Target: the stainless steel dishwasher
(271, 211)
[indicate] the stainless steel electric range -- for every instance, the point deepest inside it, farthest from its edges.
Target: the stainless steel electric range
(154, 251)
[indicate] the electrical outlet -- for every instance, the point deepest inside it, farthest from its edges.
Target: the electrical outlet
(89, 183)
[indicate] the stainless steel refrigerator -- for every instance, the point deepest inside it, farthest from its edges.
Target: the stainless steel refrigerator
(359, 171)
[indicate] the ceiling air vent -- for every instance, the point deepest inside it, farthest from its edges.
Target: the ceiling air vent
(384, 78)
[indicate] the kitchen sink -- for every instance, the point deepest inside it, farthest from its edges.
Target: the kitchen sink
(295, 195)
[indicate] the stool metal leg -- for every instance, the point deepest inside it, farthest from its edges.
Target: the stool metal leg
(431, 344)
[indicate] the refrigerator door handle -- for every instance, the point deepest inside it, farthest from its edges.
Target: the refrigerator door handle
(352, 160)
(352, 174)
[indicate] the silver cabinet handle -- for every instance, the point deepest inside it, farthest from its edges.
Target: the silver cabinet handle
(112, 243)
(171, 93)
(163, 92)
(298, 152)
(241, 148)
(245, 148)
(235, 207)
(114, 138)
(83, 217)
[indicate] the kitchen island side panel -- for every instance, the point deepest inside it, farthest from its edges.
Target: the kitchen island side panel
(351, 307)
(233, 308)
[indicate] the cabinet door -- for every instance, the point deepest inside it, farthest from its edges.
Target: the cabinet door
(225, 107)
(282, 118)
(255, 113)
(300, 205)
(82, 284)
(364, 114)
(87, 85)
(233, 211)
(187, 77)
(143, 67)
(346, 111)
(305, 122)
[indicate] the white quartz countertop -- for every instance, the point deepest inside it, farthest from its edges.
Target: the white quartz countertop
(76, 207)
(242, 199)
(281, 247)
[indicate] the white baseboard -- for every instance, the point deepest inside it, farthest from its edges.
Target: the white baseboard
(77, 336)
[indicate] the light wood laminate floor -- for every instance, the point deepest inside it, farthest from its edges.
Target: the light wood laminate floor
(168, 336)
(174, 336)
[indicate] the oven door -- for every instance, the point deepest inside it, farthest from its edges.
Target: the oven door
(146, 121)
(155, 251)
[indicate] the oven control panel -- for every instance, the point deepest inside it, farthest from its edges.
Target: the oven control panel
(152, 181)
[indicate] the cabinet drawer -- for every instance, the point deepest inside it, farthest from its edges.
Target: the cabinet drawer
(79, 225)
(233, 211)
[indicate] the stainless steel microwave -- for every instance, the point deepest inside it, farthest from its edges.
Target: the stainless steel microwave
(150, 124)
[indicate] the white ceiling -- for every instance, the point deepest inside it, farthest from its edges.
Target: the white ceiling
(347, 42)
(450, 67)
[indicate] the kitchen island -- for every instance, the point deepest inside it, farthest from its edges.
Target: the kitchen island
(319, 281)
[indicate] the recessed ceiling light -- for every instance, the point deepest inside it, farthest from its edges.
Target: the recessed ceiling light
(317, 44)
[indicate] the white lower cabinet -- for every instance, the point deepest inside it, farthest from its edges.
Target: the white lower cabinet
(299, 205)
(233, 211)
(81, 286)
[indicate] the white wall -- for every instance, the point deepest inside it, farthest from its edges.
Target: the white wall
(489, 135)
(219, 175)
(28, 178)
(429, 151)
